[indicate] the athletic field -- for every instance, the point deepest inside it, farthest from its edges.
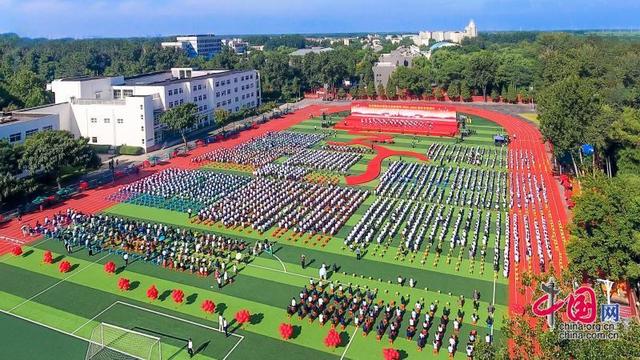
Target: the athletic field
(51, 315)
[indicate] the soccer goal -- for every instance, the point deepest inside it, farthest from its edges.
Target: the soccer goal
(115, 343)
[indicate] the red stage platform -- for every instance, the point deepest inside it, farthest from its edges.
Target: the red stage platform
(401, 117)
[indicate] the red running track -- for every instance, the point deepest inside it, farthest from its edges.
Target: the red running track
(94, 200)
(374, 166)
(529, 138)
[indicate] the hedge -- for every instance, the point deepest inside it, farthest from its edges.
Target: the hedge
(130, 150)
(100, 149)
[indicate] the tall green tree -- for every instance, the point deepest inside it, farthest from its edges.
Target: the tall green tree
(381, 91)
(221, 116)
(480, 72)
(51, 151)
(606, 230)
(465, 92)
(454, 91)
(9, 168)
(180, 119)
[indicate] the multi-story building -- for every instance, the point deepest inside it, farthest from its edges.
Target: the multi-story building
(125, 111)
(387, 63)
(426, 37)
(238, 46)
(206, 45)
(17, 126)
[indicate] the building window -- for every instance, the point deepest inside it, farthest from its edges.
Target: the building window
(120, 121)
(117, 94)
(194, 88)
(235, 80)
(48, 127)
(141, 128)
(195, 98)
(200, 98)
(30, 132)
(143, 141)
(170, 92)
(228, 81)
(204, 97)
(15, 137)
(217, 83)
(199, 87)
(107, 120)
(204, 107)
(218, 104)
(126, 93)
(199, 108)
(236, 99)
(237, 108)
(180, 90)
(94, 139)
(242, 78)
(181, 101)
(141, 117)
(94, 120)
(235, 90)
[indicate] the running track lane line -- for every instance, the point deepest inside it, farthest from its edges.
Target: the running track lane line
(353, 336)
(33, 246)
(56, 284)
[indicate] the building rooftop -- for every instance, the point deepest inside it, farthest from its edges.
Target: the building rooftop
(315, 49)
(166, 77)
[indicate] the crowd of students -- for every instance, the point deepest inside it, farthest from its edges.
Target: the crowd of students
(172, 247)
(324, 160)
(342, 306)
(264, 149)
(297, 205)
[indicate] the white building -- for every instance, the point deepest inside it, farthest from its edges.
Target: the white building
(239, 46)
(206, 45)
(19, 125)
(125, 111)
(425, 37)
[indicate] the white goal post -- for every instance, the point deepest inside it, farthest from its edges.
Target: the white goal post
(115, 343)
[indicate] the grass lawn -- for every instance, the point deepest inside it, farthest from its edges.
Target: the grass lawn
(76, 302)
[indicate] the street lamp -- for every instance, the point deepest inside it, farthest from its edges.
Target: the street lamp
(608, 284)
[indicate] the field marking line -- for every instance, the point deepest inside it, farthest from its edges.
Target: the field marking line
(62, 332)
(241, 337)
(8, 256)
(176, 318)
(493, 301)
(58, 283)
(353, 336)
(281, 263)
(93, 318)
(281, 271)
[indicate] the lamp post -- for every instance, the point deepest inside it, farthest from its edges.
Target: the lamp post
(608, 284)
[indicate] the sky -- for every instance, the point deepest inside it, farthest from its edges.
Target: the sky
(127, 18)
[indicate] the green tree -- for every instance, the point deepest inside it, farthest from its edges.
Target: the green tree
(465, 92)
(512, 94)
(495, 95)
(568, 113)
(28, 88)
(181, 118)
(221, 116)
(481, 71)
(606, 231)
(391, 91)
(51, 151)
(381, 91)
(371, 90)
(438, 94)
(454, 91)
(9, 168)
(341, 93)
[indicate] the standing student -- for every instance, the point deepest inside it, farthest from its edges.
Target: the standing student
(358, 253)
(302, 260)
(190, 348)
(126, 259)
(220, 320)
(225, 327)
(189, 211)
